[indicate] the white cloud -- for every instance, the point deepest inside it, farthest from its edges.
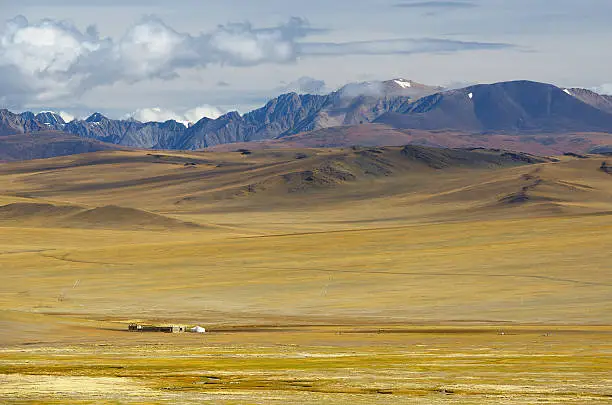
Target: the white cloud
(190, 116)
(604, 89)
(208, 111)
(37, 59)
(50, 60)
(242, 45)
(47, 47)
(149, 49)
(155, 114)
(372, 89)
(67, 117)
(306, 84)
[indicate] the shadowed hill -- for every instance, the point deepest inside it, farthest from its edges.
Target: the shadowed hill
(35, 214)
(367, 163)
(380, 134)
(112, 216)
(602, 150)
(141, 190)
(180, 184)
(40, 145)
(35, 211)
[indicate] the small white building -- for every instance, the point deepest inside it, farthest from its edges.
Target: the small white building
(197, 329)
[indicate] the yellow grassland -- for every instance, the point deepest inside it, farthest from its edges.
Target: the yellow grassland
(320, 281)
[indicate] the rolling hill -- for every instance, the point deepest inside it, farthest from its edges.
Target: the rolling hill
(180, 184)
(33, 214)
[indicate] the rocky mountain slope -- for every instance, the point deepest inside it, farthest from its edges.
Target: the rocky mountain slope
(600, 101)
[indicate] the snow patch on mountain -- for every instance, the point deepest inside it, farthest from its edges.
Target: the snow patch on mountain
(404, 84)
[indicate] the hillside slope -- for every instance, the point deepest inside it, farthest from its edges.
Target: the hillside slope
(189, 186)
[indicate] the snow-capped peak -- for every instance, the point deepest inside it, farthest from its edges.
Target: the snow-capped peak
(566, 91)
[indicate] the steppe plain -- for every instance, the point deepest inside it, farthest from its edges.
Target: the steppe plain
(364, 276)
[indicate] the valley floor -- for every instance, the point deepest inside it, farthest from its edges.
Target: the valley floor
(422, 286)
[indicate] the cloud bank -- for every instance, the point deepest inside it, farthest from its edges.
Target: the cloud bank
(50, 61)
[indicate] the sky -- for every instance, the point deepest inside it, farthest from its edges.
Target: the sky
(184, 59)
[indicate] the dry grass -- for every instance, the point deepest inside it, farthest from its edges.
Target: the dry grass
(322, 365)
(388, 288)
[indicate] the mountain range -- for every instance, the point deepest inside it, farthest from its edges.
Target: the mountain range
(521, 111)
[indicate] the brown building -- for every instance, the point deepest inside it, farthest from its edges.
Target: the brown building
(159, 329)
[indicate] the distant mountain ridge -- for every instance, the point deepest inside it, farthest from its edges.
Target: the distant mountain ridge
(513, 108)
(285, 115)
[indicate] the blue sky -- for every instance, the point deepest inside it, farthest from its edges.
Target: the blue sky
(185, 58)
